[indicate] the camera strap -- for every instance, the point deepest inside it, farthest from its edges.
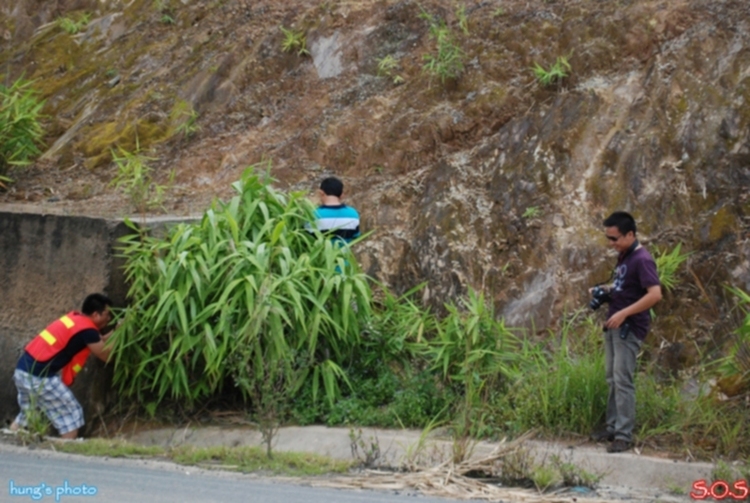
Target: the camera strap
(627, 252)
(620, 258)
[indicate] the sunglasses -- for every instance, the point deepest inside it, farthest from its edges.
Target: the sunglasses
(613, 238)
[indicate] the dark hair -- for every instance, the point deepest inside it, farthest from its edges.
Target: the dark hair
(332, 186)
(95, 303)
(622, 220)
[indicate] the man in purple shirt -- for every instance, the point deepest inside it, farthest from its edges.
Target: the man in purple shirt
(635, 289)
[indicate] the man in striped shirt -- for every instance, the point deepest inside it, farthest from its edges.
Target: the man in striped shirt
(333, 217)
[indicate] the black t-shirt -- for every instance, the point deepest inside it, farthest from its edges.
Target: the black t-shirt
(79, 341)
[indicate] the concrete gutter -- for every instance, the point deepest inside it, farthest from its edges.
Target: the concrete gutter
(625, 476)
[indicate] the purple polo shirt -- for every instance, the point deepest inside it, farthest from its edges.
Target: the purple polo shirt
(633, 276)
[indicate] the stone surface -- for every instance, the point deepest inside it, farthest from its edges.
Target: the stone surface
(629, 476)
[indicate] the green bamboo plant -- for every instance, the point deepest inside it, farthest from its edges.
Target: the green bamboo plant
(247, 288)
(667, 264)
(21, 131)
(476, 352)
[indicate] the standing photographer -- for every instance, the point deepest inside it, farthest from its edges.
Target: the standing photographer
(633, 292)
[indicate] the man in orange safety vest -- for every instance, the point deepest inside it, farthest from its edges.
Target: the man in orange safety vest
(52, 360)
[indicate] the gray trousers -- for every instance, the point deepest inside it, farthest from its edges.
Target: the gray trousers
(620, 358)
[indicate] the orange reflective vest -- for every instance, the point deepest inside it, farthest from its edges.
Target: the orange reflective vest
(55, 337)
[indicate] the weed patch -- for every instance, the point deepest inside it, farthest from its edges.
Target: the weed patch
(294, 41)
(446, 62)
(21, 130)
(554, 74)
(243, 459)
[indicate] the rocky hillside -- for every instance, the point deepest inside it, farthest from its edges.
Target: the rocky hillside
(475, 174)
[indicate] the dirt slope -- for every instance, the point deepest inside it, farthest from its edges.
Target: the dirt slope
(489, 180)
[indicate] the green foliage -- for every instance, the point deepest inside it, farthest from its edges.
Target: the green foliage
(573, 475)
(447, 60)
(463, 21)
(3, 181)
(387, 67)
(113, 448)
(134, 179)
(367, 451)
(735, 366)
(247, 286)
(471, 345)
(187, 118)
(475, 352)
(532, 212)
(243, 459)
(253, 459)
(271, 388)
(166, 10)
(710, 427)
(667, 264)
(398, 330)
(37, 423)
(71, 26)
(20, 128)
(545, 477)
(562, 390)
(556, 72)
(294, 41)
(657, 404)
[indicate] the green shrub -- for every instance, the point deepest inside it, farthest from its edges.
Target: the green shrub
(294, 41)
(735, 366)
(556, 72)
(245, 288)
(447, 60)
(657, 405)
(383, 399)
(387, 66)
(134, 179)
(398, 330)
(71, 26)
(667, 264)
(562, 390)
(20, 129)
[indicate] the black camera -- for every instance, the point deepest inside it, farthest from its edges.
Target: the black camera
(599, 296)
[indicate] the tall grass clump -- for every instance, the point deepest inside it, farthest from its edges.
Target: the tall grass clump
(476, 354)
(667, 264)
(21, 130)
(294, 41)
(561, 388)
(71, 26)
(658, 405)
(446, 62)
(245, 290)
(134, 178)
(555, 73)
(391, 382)
(734, 368)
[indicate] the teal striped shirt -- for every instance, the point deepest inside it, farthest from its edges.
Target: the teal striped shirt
(340, 221)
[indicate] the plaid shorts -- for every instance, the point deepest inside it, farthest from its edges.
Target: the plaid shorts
(51, 396)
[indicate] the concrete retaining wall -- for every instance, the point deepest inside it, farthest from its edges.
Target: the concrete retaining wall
(48, 264)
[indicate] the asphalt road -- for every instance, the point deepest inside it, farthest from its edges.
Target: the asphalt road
(45, 476)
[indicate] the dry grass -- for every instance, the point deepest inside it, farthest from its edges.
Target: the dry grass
(454, 480)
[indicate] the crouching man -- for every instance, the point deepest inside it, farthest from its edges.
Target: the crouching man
(52, 360)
